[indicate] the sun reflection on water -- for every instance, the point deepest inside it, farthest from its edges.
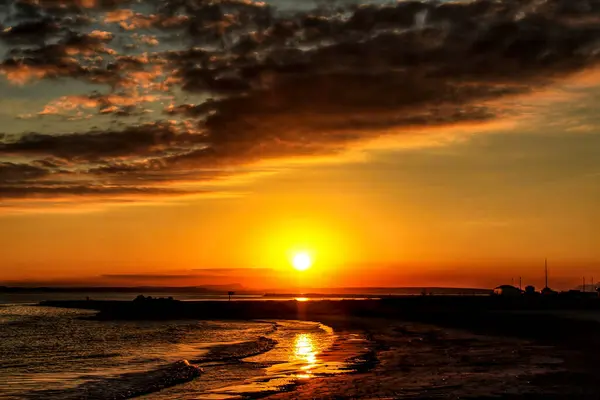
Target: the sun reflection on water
(306, 354)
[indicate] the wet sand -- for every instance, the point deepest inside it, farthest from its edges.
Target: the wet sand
(415, 360)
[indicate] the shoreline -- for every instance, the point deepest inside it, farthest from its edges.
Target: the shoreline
(341, 357)
(422, 361)
(493, 347)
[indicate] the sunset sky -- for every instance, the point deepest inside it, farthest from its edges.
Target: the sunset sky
(182, 142)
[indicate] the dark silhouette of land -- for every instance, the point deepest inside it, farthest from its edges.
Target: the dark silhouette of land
(386, 306)
(523, 316)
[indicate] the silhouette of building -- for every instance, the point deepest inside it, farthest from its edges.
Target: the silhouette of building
(548, 292)
(507, 290)
(530, 290)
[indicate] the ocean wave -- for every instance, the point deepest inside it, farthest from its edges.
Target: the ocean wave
(127, 385)
(303, 326)
(238, 351)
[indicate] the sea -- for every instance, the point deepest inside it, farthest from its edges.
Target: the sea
(55, 353)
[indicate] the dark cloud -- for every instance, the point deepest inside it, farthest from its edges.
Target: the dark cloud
(12, 172)
(31, 32)
(56, 54)
(273, 84)
(190, 110)
(8, 191)
(209, 275)
(60, 6)
(128, 277)
(229, 271)
(50, 162)
(144, 140)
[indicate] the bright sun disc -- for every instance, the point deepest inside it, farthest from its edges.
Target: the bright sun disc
(301, 261)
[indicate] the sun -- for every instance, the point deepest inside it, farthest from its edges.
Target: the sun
(301, 261)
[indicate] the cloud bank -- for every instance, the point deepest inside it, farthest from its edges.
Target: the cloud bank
(265, 83)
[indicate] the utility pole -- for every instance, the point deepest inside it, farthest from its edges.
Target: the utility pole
(584, 283)
(546, 270)
(520, 281)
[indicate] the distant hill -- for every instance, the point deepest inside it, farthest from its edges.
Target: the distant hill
(119, 289)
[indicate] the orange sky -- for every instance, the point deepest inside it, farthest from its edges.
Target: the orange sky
(426, 151)
(468, 213)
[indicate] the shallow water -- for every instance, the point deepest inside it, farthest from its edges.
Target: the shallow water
(57, 353)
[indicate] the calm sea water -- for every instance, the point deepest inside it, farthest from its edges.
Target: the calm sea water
(62, 354)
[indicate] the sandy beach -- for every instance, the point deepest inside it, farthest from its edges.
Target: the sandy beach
(416, 361)
(423, 361)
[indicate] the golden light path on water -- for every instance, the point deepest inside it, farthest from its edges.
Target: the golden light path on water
(304, 350)
(306, 354)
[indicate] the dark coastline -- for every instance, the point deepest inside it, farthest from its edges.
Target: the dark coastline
(520, 317)
(392, 306)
